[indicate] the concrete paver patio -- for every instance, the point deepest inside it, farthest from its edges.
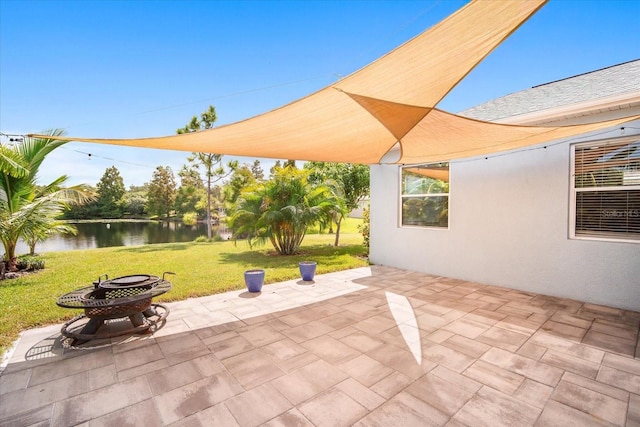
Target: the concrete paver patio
(370, 347)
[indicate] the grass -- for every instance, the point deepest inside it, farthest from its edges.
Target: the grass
(201, 269)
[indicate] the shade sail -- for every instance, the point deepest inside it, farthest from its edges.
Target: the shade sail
(442, 135)
(390, 101)
(441, 173)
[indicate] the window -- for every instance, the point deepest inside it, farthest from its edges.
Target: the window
(606, 190)
(425, 195)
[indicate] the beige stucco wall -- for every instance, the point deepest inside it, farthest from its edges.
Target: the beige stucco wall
(508, 226)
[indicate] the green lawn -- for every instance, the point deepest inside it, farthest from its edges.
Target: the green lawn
(201, 269)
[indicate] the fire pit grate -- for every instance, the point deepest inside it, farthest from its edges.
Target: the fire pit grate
(126, 282)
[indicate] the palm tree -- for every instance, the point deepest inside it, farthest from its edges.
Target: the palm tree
(26, 209)
(50, 226)
(281, 210)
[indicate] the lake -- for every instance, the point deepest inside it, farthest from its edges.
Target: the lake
(121, 233)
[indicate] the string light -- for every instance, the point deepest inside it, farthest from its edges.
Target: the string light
(91, 156)
(20, 138)
(13, 137)
(523, 150)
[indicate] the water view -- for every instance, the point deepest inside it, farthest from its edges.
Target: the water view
(120, 233)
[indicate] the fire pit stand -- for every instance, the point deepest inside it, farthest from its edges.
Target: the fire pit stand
(122, 297)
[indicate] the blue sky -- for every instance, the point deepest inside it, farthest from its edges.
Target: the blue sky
(126, 69)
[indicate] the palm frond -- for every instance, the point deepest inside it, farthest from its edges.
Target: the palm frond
(11, 163)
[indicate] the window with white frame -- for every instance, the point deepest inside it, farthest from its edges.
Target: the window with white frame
(425, 195)
(606, 190)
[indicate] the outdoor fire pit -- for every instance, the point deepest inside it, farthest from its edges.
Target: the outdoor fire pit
(119, 298)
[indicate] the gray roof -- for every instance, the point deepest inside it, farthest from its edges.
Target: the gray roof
(603, 83)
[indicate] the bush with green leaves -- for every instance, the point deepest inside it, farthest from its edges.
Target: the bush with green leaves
(30, 263)
(364, 227)
(281, 209)
(203, 239)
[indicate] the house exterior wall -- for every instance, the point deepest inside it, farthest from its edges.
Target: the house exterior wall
(509, 226)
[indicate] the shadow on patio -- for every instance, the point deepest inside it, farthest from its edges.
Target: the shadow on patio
(371, 346)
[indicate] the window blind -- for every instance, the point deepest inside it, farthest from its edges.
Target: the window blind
(607, 189)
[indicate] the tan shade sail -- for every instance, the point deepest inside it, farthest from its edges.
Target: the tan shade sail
(392, 100)
(441, 173)
(442, 135)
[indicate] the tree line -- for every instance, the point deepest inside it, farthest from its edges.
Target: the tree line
(236, 190)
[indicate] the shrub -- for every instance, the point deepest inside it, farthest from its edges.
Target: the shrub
(281, 209)
(364, 227)
(30, 263)
(203, 239)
